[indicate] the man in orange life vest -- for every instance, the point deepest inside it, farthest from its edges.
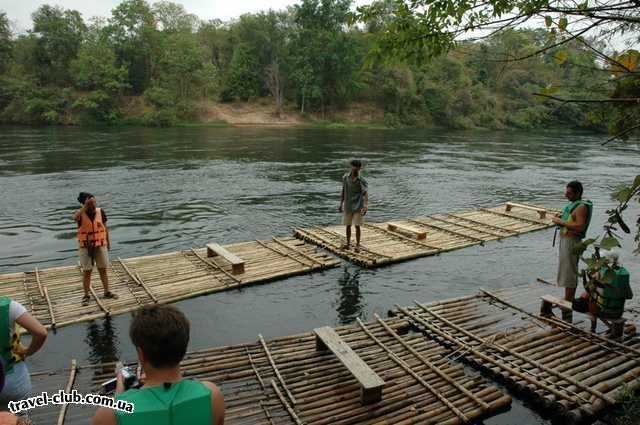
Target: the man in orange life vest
(93, 237)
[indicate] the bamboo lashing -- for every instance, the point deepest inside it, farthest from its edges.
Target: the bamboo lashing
(275, 370)
(67, 390)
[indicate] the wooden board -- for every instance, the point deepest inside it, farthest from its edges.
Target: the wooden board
(371, 383)
(163, 278)
(381, 245)
(237, 263)
(411, 231)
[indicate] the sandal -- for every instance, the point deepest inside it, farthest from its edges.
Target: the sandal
(110, 295)
(86, 299)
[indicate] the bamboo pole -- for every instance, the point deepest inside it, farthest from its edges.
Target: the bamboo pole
(521, 357)
(215, 266)
(253, 366)
(53, 317)
(275, 369)
(517, 217)
(478, 223)
(285, 404)
(445, 230)
(40, 289)
(406, 367)
(309, 257)
(102, 307)
(137, 279)
(72, 378)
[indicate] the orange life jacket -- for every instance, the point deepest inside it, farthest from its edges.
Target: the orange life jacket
(92, 233)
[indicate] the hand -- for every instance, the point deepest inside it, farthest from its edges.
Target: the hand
(558, 221)
(364, 210)
(20, 351)
(119, 378)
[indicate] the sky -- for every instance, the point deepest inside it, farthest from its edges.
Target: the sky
(19, 11)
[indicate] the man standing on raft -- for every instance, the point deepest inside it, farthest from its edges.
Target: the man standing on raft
(353, 202)
(573, 224)
(93, 238)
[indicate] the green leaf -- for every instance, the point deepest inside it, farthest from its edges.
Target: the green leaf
(609, 242)
(548, 21)
(636, 183)
(622, 195)
(562, 23)
(560, 57)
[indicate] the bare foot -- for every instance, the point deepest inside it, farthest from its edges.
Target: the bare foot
(345, 246)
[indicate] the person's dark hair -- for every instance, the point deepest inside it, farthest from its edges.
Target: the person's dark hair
(356, 163)
(162, 332)
(576, 186)
(83, 196)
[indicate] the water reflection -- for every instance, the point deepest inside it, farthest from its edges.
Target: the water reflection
(350, 304)
(102, 341)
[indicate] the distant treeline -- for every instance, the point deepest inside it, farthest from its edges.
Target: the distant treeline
(70, 71)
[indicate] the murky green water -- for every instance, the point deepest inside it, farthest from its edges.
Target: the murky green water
(165, 190)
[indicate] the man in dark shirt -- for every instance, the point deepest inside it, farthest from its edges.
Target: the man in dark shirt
(354, 201)
(93, 238)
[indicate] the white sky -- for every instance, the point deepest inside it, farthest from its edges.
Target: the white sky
(19, 11)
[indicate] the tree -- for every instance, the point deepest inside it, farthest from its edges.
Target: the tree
(59, 34)
(133, 34)
(173, 17)
(6, 45)
(428, 28)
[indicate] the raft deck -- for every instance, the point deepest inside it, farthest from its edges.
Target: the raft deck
(54, 295)
(401, 240)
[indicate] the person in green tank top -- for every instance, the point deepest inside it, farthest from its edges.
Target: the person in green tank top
(160, 334)
(573, 223)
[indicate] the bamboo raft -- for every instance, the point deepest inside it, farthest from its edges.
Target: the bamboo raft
(54, 295)
(287, 381)
(563, 367)
(401, 240)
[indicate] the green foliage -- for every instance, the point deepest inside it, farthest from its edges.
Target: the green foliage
(243, 79)
(59, 36)
(6, 45)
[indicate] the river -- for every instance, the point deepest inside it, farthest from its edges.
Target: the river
(170, 189)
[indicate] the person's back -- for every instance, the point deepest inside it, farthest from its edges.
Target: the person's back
(161, 335)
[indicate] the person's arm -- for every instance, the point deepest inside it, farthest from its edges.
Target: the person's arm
(365, 205)
(341, 198)
(217, 403)
(104, 416)
(77, 216)
(106, 231)
(37, 331)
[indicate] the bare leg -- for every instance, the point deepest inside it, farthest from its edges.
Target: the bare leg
(86, 281)
(348, 236)
(105, 279)
(569, 294)
(357, 235)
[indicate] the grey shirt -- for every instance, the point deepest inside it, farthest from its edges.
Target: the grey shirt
(353, 193)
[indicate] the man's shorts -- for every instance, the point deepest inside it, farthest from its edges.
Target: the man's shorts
(568, 262)
(355, 219)
(101, 258)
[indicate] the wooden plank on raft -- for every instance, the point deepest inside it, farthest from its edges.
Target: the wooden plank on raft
(395, 227)
(275, 369)
(542, 212)
(67, 390)
(137, 279)
(479, 223)
(237, 263)
(214, 266)
(515, 217)
(399, 236)
(370, 383)
(445, 230)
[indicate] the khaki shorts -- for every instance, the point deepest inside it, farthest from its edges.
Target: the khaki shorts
(352, 218)
(101, 258)
(568, 262)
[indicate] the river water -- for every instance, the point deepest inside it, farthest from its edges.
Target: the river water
(172, 189)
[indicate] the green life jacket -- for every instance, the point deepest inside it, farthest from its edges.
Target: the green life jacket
(184, 402)
(569, 208)
(610, 297)
(5, 331)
